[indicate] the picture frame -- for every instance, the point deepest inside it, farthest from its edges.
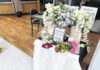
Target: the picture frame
(59, 34)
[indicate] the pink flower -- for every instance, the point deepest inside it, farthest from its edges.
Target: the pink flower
(39, 36)
(73, 50)
(74, 46)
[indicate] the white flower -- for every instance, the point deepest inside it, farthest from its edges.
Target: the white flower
(57, 7)
(49, 7)
(66, 6)
(83, 21)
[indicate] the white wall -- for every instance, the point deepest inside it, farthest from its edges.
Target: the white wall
(95, 63)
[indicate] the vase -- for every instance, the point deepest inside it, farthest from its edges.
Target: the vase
(75, 34)
(49, 27)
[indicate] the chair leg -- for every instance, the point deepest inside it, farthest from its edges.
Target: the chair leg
(42, 25)
(38, 27)
(32, 29)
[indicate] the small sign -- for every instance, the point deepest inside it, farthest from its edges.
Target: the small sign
(59, 34)
(91, 11)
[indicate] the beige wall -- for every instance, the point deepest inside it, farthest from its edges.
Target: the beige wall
(6, 8)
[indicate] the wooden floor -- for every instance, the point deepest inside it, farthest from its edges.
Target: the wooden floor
(18, 32)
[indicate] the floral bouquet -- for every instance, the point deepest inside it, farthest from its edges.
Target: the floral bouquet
(45, 36)
(69, 46)
(47, 45)
(60, 15)
(47, 42)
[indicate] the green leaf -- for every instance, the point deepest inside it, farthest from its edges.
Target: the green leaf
(39, 32)
(90, 45)
(82, 45)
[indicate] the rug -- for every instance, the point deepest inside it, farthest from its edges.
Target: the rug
(13, 58)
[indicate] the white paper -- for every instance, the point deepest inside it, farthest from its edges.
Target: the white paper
(59, 34)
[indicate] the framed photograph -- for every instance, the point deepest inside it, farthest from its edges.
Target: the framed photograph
(59, 34)
(91, 11)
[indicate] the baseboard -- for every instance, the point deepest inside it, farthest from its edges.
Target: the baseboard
(13, 14)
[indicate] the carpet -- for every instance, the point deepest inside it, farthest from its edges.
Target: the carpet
(13, 58)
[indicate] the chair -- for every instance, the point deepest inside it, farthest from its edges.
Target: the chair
(37, 21)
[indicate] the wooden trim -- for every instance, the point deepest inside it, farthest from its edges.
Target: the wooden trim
(6, 8)
(22, 2)
(13, 14)
(38, 6)
(29, 1)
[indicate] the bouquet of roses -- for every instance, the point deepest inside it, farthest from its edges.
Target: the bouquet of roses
(69, 46)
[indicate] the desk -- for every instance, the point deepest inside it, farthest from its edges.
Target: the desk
(48, 59)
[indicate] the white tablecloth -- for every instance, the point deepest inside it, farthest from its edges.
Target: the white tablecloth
(48, 59)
